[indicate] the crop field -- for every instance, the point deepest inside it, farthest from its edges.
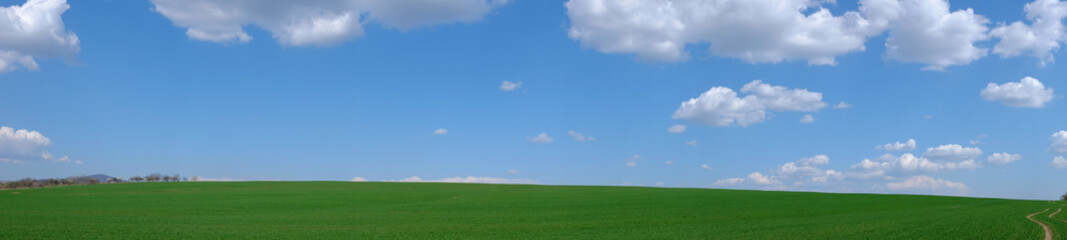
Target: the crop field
(374, 210)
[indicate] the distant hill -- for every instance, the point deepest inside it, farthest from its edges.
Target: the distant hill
(100, 177)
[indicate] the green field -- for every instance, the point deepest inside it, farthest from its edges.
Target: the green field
(369, 210)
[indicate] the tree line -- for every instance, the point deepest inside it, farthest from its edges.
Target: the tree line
(155, 177)
(86, 180)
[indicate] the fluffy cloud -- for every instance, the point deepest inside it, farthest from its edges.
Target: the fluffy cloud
(508, 86)
(668, 162)
(540, 138)
(1039, 39)
(440, 131)
(907, 162)
(898, 146)
(1028, 93)
(580, 136)
(802, 171)
(842, 105)
(32, 30)
(721, 106)
(1003, 158)
(925, 183)
(1059, 162)
(18, 146)
(771, 31)
(952, 152)
(304, 23)
(924, 31)
(1058, 142)
(358, 179)
(677, 128)
(756, 31)
(468, 179)
(706, 167)
(691, 143)
(807, 118)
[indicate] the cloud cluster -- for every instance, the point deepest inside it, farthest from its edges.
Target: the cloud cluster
(952, 152)
(898, 146)
(1003, 158)
(1038, 39)
(721, 106)
(313, 23)
(581, 137)
(32, 30)
(800, 172)
(1027, 93)
(19, 146)
(927, 184)
(676, 128)
(771, 31)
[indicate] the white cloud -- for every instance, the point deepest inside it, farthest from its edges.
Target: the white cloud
(756, 31)
(898, 146)
(358, 179)
(802, 171)
(11, 161)
(977, 139)
(514, 171)
(1059, 162)
(632, 161)
(706, 167)
(540, 138)
(1058, 142)
(508, 86)
(468, 179)
(925, 183)
(677, 128)
(1028, 93)
(807, 119)
(1039, 39)
(580, 136)
(1003, 158)
(32, 30)
(440, 131)
(729, 182)
(816, 160)
(952, 152)
(691, 143)
(759, 178)
(304, 23)
(21, 145)
(906, 163)
(720, 106)
(668, 162)
(842, 105)
(928, 117)
(924, 31)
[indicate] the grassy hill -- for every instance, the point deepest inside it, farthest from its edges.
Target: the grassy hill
(369, 210)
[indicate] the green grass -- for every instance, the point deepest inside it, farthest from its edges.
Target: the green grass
(344, 210)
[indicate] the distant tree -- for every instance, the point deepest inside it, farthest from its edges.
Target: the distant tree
(1064, 197)
(176, 178)
(194, 179)
(153, 177)
(166, 178)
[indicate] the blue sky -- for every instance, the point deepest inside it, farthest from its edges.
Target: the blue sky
(149, 86)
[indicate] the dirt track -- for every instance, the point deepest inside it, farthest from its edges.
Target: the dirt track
(1048, 231)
